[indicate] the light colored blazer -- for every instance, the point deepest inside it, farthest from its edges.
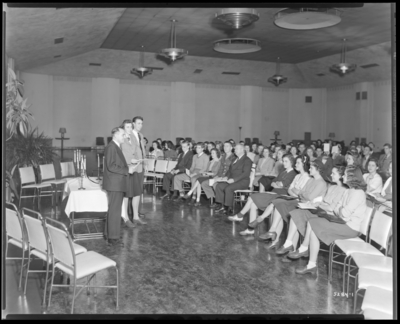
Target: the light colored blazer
(132, 151)
(265, 165)
(214, 169)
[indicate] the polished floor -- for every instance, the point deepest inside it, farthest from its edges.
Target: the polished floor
(187, 260)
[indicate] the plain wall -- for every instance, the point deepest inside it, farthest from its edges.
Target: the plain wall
(91, 107)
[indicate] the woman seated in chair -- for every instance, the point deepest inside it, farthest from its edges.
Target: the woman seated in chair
(352, 158)
(314, 188)
(248, 152)
(170, 152)
(372, 178)
(261, 200)
(265, 166)
(259, 154)
(155, 150)
(294, 151)
(352, 208)
(211, 172)
(303, 167)
(266, 180)
(385, 196)
(310, 152)
(300, 217)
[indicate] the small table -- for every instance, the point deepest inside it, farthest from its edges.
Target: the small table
(92, 199)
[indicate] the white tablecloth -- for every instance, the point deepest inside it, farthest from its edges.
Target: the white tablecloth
(92, 199)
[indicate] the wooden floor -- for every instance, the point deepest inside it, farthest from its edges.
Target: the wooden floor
(187, 260)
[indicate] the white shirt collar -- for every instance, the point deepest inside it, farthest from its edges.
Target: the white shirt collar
(288, 170)
(200, 154)
(117, 143)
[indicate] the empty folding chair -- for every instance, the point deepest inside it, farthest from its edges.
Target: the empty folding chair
(28, 181)
(48, 175)
(15, 234)
(333, 256)
(160, 170)
(149, 173)
(84, 265)
(377, 303)
(39, 245)
(72, 170)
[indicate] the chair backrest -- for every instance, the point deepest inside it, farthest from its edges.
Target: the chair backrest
(14, 223)
(366, 221)
(64, 169)
(47, 172)
(150, 165)
(171, 165)
(27, 175)
(61, 243)
(161, 166)
(380, 229)
(36, 235)
(71, 169)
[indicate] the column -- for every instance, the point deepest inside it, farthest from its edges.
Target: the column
(250, 118)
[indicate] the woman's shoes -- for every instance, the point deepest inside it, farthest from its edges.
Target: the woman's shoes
(255, 222)
(271, 246)
(197, 204)
(247, 232)
(304, 270)
(283, 250)
(191, 202)
(267, 236)
(187, 196)
(297, 255)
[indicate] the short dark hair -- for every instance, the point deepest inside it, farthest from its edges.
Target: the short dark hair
(146, 139)
(116, 130)
(352, 180)
(228, 142)
(217, 151)
(388, 145)
(126, 121)
(136, 118)
(373, 160)
(301, 143)
(158, 144)
(305, 160)
(184, 142)
(171, 145)
(283, 147)
(290, 157)
(370, 148)
(212, 143)
(319, 147)
(201, 144)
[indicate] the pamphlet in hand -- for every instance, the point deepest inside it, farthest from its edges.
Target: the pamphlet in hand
(306, 206)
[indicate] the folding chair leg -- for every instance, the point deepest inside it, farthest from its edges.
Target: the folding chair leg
(45, 285)
(73, 297)
(27, 272)
(94, 286)
(22, 269)
(51, 285)
(116, 270)
(344, 273)
(355, 295)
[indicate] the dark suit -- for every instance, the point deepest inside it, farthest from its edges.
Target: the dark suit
(239, 171)
(115, 182)
(184, 162)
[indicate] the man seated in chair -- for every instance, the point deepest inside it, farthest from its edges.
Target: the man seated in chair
(237, 178)
(184, 163)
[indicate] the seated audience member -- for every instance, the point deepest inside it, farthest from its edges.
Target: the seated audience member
(146, 142)
(385, 196)
(302, 148)
(300, 217)
(249, 154)
(310, 153)
(266, 180)
(327, 166)
(254, 148)
(272, 150)
(314, 188)
(372, 146)
(292, 184)
(179, 147)
(352, 158)
(359, 149)
(352, 208)
(233, 145)
(211, 171)
(219, 146)
(385, 159)
(199, 165)
(338, 158)
(352, 143)
(294, 151)
(288, 147)
(156, 151)
(164, 146)
(237, 178)
(184, 163)
(283, 147)
(226, 160)
(364, 161)
(159, 140)
(372, 178)
(265, 166)
(319, 151)
(259, 155)
(210, 146)
(170, 152)
(313, 146)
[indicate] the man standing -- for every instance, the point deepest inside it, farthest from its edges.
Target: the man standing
(138, 152)
(115, 176)
(237, 178)
(226, 160)
(184, 163)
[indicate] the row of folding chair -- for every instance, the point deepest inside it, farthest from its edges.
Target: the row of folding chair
(49, 240)
(155, 170)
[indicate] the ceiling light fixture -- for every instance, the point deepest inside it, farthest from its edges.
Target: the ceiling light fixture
(343, 67)
(173, 53)
(238, 17)
(277, 79)
(141, 71)
(307, 18)
(237, 45)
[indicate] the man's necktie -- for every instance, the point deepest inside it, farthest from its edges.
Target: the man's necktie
(140, 145)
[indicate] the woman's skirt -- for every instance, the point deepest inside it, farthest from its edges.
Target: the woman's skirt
(202, 179)
(134, 184)
(329, 232)
(266, 182)
(300, 217)
(284, 207)
(263, 199)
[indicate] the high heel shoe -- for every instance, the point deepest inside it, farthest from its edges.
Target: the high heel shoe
(304, 270)
(187, 196)
(267, 236)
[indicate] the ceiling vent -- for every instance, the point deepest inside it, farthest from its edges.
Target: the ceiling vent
(197, 71)
(320, 74)
(367, 66)
(95, 64)
(231, 73)
(237, 45)
(57, 56)
(154, 68)
(59, 40)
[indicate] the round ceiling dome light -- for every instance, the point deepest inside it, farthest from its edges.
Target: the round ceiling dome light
(237, 45)
(307, 18)
(238, 17)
